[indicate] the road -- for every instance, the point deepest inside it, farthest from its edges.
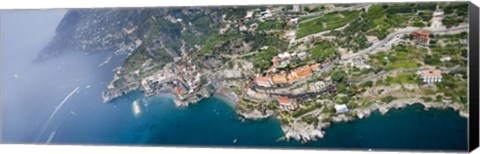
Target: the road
(329, 65)
(401, 32)
(320, 33)
(381, 74)
(355, 7)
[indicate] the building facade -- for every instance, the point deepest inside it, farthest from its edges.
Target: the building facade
(431, 76)
(287, 104)
(263, 81)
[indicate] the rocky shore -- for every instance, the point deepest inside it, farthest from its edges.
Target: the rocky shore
(401, 103)
(255, 114)
(304, 132)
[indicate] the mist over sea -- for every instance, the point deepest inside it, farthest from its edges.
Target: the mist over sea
(59, 102)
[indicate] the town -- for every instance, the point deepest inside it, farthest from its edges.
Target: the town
(310, 65)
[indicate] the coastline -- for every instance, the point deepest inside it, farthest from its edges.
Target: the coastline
(304, 134)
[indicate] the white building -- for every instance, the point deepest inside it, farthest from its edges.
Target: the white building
(249, 15)
(341, 108)
(292, 21)
(302, 55)
(284, 56)
(438, 13)
(431, 76)
(360, 63)
(296, 8)
(318, 86)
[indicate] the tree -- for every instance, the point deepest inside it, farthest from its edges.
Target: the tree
(419, 24)
(367, 84)
(341, 88)
(338, 76)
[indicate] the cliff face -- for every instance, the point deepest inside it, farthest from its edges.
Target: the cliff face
(149, 38)
(88, 31)
(152, 35)
(93, 30)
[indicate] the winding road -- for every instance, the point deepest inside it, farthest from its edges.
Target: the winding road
(383, 73)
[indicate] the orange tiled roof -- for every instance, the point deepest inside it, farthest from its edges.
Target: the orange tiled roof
(283, 100)
(261, 79)
(303, 71)
(292, 78)
(178, 90)
(315, 66)
(279, 78)
(422, 32)
(432, 73)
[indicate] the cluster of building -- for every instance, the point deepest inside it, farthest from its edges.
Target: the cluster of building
(257, 95)
(181, 77)
(358, 63)
(279, 77)
(319, 86)
(422, 37)
(284, 78)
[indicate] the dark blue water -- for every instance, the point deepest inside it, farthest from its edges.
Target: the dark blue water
(31, 92)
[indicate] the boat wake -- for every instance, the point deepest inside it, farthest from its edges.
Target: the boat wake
(57, 108)
(49, 140)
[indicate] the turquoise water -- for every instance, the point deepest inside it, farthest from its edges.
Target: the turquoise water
(31, 93)
(213, 122)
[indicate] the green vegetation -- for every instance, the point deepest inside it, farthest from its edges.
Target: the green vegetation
(311, 120)
(328, 21)
(261, 39)
(272, 25)
(313, 8)
(419, 24)
(323, 51)
(342, 99)
(453, 86)
(380, 20)
(448, 46)
(338, 76)
(455, 13)
(234, 13)
(366, 84)
(388, 99)
(401, 78)
(214, 41)
(402, 56)
(427, 99)
(304, 111)
(263, 59)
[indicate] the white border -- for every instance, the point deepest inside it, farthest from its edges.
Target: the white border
(47, 4)
(50, 4)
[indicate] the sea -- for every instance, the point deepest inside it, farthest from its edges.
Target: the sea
(59, 102)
